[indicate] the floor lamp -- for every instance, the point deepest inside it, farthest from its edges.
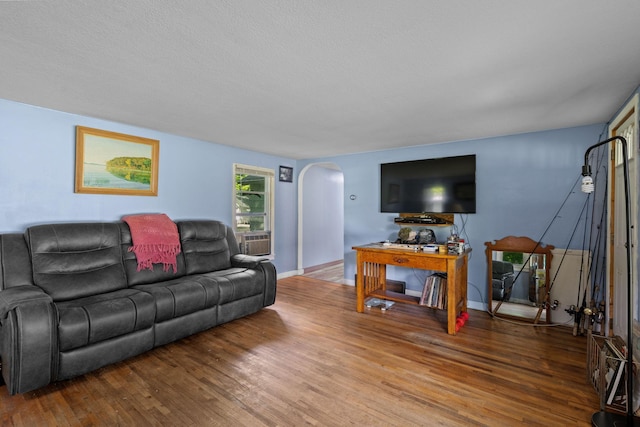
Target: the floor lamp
(603, 418)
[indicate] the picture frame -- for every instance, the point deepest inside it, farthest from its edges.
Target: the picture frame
(286, 174)
(115, 163)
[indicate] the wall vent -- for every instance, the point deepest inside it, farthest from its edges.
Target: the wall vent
(255, 243)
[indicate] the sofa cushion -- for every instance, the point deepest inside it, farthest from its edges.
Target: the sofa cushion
(141, 277)
(76, 260)
(204, 244)
(182, 296)
(97, 318)
(237, 283)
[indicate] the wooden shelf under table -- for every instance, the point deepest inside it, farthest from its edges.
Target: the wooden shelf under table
(372, 261)
(395, 296)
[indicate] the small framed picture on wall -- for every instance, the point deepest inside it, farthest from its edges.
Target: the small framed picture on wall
(286, 174)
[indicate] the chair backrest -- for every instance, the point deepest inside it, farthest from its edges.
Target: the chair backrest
(499, 268)
(76, 260)
(205, 245)
(157, 274)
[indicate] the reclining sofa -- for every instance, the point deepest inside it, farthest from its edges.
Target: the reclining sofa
(502, 281)
(72, 299)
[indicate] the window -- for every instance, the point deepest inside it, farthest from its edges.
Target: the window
(253, 208)
(513, 257)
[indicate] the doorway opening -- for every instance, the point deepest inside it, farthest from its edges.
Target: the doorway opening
(321, 221)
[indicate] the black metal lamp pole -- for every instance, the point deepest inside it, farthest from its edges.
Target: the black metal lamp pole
(604, 418)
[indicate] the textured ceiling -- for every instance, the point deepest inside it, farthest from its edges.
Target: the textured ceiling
(306, 79)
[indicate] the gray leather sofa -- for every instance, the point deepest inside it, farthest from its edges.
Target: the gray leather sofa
(502, 281)
(71, 300)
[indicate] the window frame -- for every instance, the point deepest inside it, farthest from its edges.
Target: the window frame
(269, 175)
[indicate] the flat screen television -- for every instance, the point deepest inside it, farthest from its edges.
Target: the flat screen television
(442, 185)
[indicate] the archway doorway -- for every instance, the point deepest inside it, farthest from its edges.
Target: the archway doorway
(320, 217)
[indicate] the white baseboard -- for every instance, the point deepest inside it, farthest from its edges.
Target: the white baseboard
(290, 274)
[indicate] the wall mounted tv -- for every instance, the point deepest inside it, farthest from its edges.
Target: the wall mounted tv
(442, 185)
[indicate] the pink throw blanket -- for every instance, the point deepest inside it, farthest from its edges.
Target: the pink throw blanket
(155, 240)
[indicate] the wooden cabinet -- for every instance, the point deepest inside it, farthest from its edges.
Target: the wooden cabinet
(372, 261)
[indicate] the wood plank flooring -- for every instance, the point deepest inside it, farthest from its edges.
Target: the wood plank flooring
(310, 359)
(331, 271)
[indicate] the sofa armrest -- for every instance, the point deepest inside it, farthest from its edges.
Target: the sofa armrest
(27, 338)
(271, 279)
(268, 272)
(18, 295)
(247, 261)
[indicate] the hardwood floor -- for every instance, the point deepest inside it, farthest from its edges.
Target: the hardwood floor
(310, 359)
(331, 272)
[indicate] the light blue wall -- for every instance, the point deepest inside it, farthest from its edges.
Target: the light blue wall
(37, 167)
(522, 180)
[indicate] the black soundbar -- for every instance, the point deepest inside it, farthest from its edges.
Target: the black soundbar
(419, 220)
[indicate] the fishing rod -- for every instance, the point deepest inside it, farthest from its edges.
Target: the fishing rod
(564, 254)
(580, 311)
(545, 303)
(597, 312)
(593, 312)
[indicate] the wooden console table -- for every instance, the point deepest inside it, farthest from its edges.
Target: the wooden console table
(372, 261)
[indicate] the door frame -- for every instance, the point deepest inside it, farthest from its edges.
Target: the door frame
(301, 213)
(617, 312)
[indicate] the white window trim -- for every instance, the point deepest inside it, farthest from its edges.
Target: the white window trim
(270, 174)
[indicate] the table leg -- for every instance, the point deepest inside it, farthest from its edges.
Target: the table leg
(359, 284)
(452, 297)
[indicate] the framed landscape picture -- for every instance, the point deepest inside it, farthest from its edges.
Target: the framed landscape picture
(115, 163)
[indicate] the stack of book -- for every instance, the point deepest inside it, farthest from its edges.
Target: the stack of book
(434, 293)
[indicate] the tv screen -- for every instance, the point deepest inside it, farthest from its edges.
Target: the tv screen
(443, 185)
